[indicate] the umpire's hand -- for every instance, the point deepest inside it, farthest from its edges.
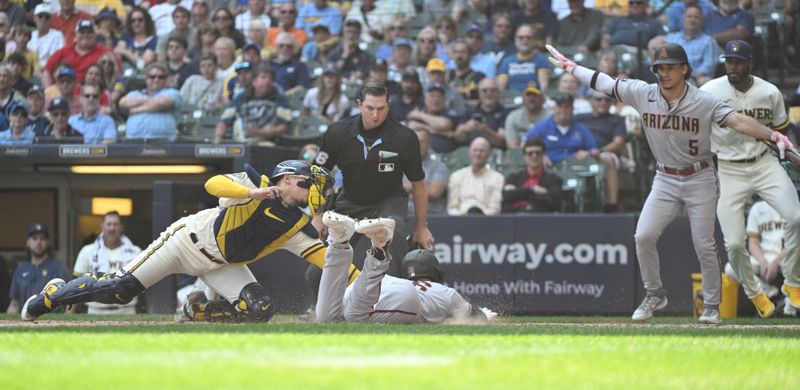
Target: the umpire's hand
(424, 237)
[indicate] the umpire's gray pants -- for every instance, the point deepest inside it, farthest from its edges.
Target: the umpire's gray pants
(671, 194)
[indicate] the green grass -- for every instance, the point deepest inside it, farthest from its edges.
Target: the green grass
(520, 352)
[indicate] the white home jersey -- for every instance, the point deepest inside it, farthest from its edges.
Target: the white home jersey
(762, 102)
(764, 222)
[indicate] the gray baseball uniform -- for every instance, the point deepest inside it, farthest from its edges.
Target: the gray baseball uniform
(745, 168)
(679, 137)
(375, 297)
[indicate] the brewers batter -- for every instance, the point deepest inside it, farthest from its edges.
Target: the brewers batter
(215, 244)
(374, 297)
(677, 119)
(746, 167)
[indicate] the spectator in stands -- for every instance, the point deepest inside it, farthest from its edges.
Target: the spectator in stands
(108, 26)
(151, 112)
(464, 78)
(32, 275)
(376, 16)
(400, 62)
(379, 71)
(487, 119)
(201, 14)
(435, 73)
(44, 40)
(446, 31)
(502, 42)
(410, 97)
(94, 76)
(581, 29)
(111, 79)
(181, 20)
(225, 50)
(609, 134)
(18, 133)
(8, 94)
(262, 110)
(79, 55)
(434, 9)
(480, 62)
(635, 29)
(256, 10)
(66, 82)
(16, 14)
(290, 74)
(476, 188)
(427, 48)
(223, 21)
(319, 12)
(17, 62)
(109, 252)
(37, 121)
(521, 120)
(286, 22)
(204, 90)
(67, 18)
(203, 42)
(700, 48)
(543, 22)
(516, 70)
(161, 13)
(435, 118)
(137, 45)
(178, 66)
(326, 101)
(321, 43)
(96, 127)
(236, 83)
(397, 29)
(352, 62)
(570, 85)
(534, 189)
(22, 36)
(676, 12)
(730, 22)
(59, 120)
(4, 28)
(576, 142)
(436, 177)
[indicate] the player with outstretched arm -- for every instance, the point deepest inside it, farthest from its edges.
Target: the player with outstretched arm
(677, 119)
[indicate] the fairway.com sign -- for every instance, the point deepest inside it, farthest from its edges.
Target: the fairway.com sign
(536, 264)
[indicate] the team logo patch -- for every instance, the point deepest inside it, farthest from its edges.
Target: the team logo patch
(321, 158)
(386, 167)
(735, 47)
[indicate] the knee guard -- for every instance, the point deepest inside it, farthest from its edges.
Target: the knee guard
(103, 288)
(254, 304)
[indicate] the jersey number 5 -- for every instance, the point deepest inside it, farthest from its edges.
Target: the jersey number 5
(693, 147)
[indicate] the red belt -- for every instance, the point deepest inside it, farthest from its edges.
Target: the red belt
(691, 170)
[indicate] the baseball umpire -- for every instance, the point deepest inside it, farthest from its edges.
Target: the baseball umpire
(747, 167)
(257, 216)
(677, 119)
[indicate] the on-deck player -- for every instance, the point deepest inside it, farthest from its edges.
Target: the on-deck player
(677, 119)
(746, 167)
(258, 215)
(375, 297)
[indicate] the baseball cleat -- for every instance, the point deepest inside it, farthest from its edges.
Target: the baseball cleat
(650, 304)
(192, 310)
(710, 317)
(379, 230)
(764, 306)
(40, 303)
(340, 227)
(793, 293)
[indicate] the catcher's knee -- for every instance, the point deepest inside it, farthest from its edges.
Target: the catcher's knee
(254, 304)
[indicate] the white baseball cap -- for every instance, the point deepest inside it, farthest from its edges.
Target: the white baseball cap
(43, 8)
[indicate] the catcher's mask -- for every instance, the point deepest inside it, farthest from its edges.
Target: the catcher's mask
(419, 264)
(318, 181)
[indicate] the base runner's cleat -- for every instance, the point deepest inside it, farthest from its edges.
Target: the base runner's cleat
(379, 230)
(710, 317)
(764, 306)
(40, 304)
(340, 227)
(650, 304)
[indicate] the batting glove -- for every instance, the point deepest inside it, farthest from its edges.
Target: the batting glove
(490, 315)
(559, 60)
(781, 141)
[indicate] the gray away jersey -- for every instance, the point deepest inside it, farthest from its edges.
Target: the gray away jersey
(681, 136)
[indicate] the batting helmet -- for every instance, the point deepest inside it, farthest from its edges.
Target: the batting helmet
(671, 53)
(421, 263)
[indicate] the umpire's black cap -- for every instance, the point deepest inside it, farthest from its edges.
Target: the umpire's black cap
(671, 53)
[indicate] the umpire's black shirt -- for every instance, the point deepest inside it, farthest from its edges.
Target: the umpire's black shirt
(369, 178)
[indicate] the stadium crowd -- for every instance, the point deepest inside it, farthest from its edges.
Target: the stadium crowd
(278, 72)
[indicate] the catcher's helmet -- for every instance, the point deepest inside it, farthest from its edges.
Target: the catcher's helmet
(421, 263)
(292, 167)
(670, 53)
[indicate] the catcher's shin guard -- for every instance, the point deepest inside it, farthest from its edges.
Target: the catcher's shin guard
(103, 288)
(254, 305)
